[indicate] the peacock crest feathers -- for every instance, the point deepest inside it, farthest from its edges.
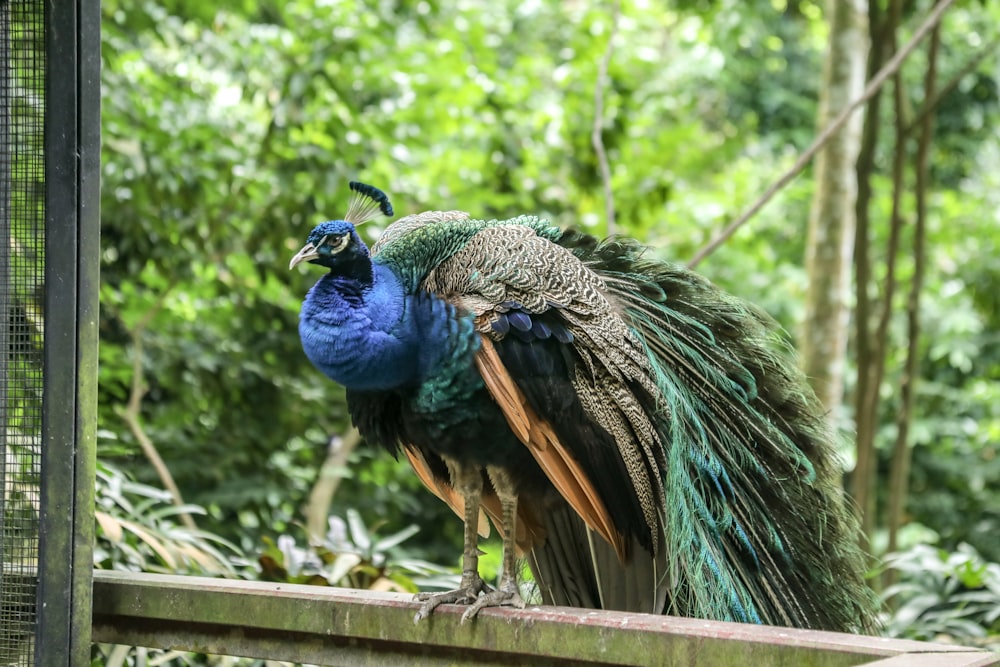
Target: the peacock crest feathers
(366, 203)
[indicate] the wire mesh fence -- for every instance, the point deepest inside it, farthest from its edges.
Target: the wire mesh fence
(22, 221)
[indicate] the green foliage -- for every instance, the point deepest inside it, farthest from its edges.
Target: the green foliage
(19, 502)
(944, 596)
(387, 492)
(956, 431)
(139, 530)
(22, 257)
(192, 203)
(212, 173)
(354, 555)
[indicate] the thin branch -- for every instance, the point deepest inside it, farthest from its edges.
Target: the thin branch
(877, 81)
(596, 136)
(132, 412)
(931, 103)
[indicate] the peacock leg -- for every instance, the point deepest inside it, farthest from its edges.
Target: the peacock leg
(468, 481)
(507, 594)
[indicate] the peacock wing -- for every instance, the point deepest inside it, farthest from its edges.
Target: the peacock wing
(569, 375)
(554, 458)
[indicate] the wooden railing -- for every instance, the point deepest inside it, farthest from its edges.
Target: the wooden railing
(337, 626)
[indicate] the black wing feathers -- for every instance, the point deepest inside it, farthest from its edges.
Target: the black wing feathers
(544, 370)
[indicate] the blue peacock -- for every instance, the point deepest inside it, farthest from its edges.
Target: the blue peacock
(643, 439)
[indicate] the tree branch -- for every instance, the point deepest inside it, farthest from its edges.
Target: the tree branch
(932, 100)
(596, 136)
(890, 69)
(132, 412)
(831, 224)
(317, 508)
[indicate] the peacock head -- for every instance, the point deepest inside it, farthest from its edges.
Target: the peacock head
(335, 244)
(332, 244)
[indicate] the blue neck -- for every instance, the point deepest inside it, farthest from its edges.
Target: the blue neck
(364, 332)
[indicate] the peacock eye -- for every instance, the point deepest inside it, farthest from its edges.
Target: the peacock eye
(334, 243)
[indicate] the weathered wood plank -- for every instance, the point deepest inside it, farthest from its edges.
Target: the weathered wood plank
(971, 659)
(348, 627)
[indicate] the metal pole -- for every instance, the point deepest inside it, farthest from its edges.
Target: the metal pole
(5, 282)
(69, 406)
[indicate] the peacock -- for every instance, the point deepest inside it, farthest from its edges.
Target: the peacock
(641, 438)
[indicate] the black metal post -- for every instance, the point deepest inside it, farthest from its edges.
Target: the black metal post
(72, 228)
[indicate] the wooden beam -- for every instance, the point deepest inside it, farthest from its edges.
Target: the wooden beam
(341, 626)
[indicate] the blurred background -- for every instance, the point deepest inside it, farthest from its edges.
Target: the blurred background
(230, 129)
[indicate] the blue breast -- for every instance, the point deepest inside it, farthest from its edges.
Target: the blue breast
(376, 337)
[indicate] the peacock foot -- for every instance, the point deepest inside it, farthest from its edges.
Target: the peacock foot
(505, 596)
(468, 593)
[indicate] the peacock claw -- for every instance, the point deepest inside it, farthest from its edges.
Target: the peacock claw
(467, 594)
(502, 597)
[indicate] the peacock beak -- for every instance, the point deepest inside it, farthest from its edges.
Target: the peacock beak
(307, 253)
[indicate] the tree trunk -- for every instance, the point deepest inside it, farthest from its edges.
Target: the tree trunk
(830, 241)
(899, 472)
(862, 481)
